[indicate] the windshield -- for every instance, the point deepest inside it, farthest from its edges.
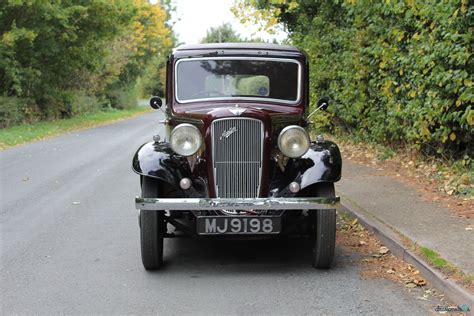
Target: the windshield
(229, 78)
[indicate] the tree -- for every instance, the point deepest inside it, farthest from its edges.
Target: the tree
(57, 53)
(55, 44)
(146, 46)
(222, 34)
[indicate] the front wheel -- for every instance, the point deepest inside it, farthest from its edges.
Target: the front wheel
(152, 228)
(323, 230)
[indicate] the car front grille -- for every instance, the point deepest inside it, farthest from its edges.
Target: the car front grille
(237, 146)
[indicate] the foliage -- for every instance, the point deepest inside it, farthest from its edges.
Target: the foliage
(14, 111)
(70, 56)
(398, 72)
(264, 14)
(225, 33)
(221, 34)
(123, 97)
(152, 82)
(151, 41)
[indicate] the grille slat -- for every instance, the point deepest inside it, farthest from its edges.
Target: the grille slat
(237, 145)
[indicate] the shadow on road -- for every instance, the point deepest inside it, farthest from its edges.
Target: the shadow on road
(256, 256)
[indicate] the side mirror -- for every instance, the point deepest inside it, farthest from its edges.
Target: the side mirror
(323, 103)
(156, 103)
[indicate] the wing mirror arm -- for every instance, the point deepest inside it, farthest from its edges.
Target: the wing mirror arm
(322, 106)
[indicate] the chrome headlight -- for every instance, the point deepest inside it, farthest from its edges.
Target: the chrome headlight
(185, 139)
(293, 141)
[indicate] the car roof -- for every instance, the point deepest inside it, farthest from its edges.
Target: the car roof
(253, 46)
(238, 49)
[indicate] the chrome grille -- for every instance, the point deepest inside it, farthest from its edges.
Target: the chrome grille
(237, 145)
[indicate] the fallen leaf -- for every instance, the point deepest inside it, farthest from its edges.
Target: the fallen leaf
(465, 179)
(410, 285)
(383, 250)
(361, 243)
(420, 282)
(390, 271)
(354, 222)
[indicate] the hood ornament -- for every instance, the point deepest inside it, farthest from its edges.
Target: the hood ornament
(226, 134)
(237, 110)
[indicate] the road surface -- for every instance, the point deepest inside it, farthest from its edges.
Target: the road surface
(70, 245)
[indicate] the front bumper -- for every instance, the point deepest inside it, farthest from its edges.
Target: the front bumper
(185, 204)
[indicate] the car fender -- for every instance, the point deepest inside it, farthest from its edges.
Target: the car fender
(321, 163)
(157, 160)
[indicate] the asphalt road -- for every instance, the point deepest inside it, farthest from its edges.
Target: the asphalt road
(70, 245)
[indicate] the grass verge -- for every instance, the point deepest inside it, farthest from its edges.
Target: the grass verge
(434, 258)
(24, 133)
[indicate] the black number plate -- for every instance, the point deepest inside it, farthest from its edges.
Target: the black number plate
(235, 225)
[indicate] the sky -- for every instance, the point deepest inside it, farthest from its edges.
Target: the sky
(194, 17)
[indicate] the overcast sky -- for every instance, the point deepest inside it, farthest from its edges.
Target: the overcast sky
(194, 17)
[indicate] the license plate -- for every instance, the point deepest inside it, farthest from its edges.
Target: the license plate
(233, 225)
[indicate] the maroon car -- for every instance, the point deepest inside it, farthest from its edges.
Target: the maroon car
(237, 161)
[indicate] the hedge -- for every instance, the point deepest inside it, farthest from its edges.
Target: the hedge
(398, 72)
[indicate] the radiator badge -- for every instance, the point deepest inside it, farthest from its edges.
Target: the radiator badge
(237, 110)
(229, 132)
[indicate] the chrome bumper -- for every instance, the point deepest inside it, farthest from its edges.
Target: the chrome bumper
(315, 203)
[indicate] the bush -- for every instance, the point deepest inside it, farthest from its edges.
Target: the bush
(14, 111)
(399, 72)
(66, 104)
(80, 102)
(402, 73)
(123, 97)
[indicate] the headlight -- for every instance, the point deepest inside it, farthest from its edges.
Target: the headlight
(185, 139)
(293, 141)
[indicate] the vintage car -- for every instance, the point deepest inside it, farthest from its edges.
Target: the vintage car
(237, 160)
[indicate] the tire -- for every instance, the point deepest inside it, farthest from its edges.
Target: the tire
(323, 230)
(152, 229)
